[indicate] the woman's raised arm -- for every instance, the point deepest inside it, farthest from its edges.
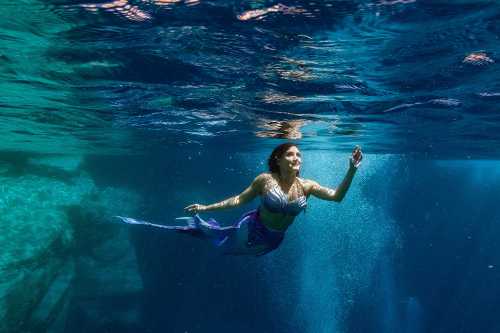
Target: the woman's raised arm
(246, 196)
(325, 193)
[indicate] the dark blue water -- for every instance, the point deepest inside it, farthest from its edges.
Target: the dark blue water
(140, 108)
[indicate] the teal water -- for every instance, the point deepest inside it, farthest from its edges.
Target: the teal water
(139, 108)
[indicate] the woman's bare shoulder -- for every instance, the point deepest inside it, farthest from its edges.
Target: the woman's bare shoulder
(263, 178)
(261, 181)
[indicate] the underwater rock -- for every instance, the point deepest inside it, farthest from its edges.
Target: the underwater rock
(66, 163)
(107, 267)
(51, 312)
(35, 237)
(48, 254)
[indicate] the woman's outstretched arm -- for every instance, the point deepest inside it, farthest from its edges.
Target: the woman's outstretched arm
(339, 193)
(246, 196)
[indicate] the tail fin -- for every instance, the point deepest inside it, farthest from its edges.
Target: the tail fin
(129, 220)
(195, 226)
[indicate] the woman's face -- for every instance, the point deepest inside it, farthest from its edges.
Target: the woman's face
(291, 160)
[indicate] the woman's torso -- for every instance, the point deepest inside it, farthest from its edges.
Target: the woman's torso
(279, 206)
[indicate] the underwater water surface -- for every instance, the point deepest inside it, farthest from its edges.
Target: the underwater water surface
(141, 107)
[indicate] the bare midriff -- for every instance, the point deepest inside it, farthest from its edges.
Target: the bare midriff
(275, 221)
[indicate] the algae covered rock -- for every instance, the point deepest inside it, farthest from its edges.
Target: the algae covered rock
(106, 262)
(57, 236)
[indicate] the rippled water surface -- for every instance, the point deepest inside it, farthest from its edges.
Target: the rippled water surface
(121, 76)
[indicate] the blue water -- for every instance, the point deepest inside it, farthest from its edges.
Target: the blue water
(142, 107)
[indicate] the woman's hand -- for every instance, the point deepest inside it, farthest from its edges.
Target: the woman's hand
(195, 208)
(357, 156)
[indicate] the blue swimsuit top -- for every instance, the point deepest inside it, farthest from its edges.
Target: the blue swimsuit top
(276, 201)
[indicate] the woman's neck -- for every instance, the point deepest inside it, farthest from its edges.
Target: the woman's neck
(287, 178)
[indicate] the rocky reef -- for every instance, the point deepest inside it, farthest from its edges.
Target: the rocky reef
(62, 254)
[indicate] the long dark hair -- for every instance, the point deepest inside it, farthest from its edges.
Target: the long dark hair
(277, 153)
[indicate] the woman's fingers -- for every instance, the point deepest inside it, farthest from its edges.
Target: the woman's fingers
(357, 156)
(191, 208)
(194, 208)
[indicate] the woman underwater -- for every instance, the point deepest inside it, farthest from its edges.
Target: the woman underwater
(283, 196)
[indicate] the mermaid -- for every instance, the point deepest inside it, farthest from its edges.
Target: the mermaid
(283, 196)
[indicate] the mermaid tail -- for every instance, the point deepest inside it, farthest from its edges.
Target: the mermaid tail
(247, 236)
(130, 220)
(195, 226)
